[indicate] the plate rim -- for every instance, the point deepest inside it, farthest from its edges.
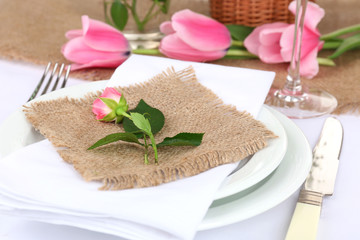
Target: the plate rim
(257, 176)
(211, 220)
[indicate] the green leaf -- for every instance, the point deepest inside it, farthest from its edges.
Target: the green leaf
(119, 14)
(340, 32)
(239, 32)
(127, 137)
(183, 139)
(141, 122)
(155, 116)
(326, 62)
(348, 44)
(332, 44)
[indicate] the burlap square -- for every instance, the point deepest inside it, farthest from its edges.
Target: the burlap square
(188, 106)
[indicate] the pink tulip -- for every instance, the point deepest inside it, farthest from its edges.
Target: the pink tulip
(106, 107)
(96, 45)
(273, 42)
(194, 37)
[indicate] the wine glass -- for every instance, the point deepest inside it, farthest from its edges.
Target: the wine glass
(294, 99)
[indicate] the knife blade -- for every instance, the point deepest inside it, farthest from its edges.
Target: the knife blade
(320, 182)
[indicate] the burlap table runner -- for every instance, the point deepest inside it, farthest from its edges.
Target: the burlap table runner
(229, 136)
(34, 30)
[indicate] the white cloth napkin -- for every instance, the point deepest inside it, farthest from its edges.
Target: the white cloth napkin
(37, 184)
(245, 88)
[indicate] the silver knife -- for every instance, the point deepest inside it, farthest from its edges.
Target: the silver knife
(320, 182)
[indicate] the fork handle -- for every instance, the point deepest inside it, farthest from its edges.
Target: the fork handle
(304, 223)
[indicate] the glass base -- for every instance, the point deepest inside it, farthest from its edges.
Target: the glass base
(150, 40)
(312, 103)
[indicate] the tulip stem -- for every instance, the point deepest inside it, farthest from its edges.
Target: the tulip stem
(137, 20)
(107, 19)
(236, 43)
(149, 14)
(146, 51)
(231, 53)
(340, 32)
(239, 53)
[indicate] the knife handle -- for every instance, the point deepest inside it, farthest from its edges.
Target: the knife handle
(304, 222)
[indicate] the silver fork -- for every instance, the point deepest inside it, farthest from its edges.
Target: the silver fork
(48, 83)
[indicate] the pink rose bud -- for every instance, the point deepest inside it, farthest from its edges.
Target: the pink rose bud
(109, 106)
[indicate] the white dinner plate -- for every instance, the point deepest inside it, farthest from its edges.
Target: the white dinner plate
(16, 133)
(273, 190)
(261, 164)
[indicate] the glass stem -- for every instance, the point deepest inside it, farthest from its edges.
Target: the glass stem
(293, 82)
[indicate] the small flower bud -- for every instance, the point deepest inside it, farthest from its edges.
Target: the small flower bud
(109, 106)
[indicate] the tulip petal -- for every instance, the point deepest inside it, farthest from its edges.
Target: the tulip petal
(74, 33)
(252, 42)
(109, 63)
(286, 43)
(313, 15)
(201, 32)
(166, 28)
(270, 54)
(271, 34)
(310, 40)
(309, 65)
(77, 51)
(103, 37)
(173, 47)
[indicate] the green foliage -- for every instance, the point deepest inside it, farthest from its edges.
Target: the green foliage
(120, 11)
(183, 139)
(239, 32)
(144, 121)
(348, 44)
(141, 122)
(119, 14)
(154, 115)
(127, 137)
(163, 5)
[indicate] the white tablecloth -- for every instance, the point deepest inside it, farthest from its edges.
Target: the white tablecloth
(339, 216)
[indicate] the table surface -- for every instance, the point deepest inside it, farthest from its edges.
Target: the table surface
(339, 215)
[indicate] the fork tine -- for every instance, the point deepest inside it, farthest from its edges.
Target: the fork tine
(33, 95)
(58, 77)
(50, 79)
(66, 76)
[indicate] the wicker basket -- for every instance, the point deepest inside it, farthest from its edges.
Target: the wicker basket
(251, 12)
